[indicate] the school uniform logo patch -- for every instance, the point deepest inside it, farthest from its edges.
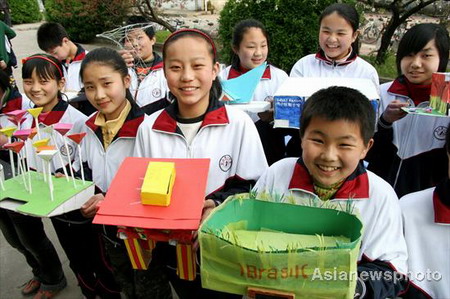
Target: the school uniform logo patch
(63, 151)
(156, 92)
(225, 163)
(440, 132)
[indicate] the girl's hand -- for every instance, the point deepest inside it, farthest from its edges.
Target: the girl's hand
(59, 175)
(3, 140)
(208, 206)
(267, 116)
(3, 64)
(128, 57)
(91, 206)
(394, 111)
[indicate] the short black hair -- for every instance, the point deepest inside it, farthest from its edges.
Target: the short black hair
(340, 103)
(5, 82)
(50, 35)
(417, 37)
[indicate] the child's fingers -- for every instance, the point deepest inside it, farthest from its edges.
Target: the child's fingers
(59, 175)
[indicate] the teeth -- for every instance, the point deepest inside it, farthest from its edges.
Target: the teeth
(327, 168)
(189, 88)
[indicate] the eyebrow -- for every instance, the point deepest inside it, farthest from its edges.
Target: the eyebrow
(339, 30)
(349, 137)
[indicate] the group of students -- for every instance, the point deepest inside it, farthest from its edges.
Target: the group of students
(169, 107)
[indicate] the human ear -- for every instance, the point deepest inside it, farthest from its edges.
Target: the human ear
(216, 69)
(355, 36)
(61, 84)
(366, 150)
(127, 81)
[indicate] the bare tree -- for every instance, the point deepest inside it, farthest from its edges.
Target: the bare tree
(401, 10)
(151, 14)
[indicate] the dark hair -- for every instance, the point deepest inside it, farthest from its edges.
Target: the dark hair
(346, 11)
(238, 35)
(340, 103)
(50, 35)
(46, 66)
(216, 88)
(106, 57)
(417, 37)
(5, 82)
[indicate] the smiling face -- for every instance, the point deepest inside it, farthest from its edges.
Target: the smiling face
(253, 49)
(418, 68)
(105, 89)
(336, 36)
(332, 149)
(190, 72)
(41, 91)
(139, 41)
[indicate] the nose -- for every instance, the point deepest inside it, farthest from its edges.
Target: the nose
(36, 86)
(99, 93)
(329, 153)
(187, 74)
(416, 62)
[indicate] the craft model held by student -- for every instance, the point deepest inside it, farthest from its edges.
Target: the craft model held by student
(426, 218)
(110, 139)
(250, 47)
(409, 148)
(198, 125)
(337, 56)
(55, 41)
(148, 84)
(43, 81)
(334, 140)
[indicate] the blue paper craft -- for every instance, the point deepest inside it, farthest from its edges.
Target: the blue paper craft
(240, 90)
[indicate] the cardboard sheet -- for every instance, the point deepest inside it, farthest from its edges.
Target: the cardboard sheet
(122, 205)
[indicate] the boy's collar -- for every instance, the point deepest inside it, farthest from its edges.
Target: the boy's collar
(355, 187)
(441, 202)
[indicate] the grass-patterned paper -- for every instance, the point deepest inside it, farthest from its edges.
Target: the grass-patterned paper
(38, 203)
(309, 251)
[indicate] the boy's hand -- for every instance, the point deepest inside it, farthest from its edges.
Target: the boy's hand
(394, 111)
(208, 206)
(91, 206)
(127, 56)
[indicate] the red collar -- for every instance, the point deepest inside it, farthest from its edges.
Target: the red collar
(441, 202)
(215, 115)
(416, 92)
(13, 102)
(129, 128)
(322, 57)
(234, 73)
(53, 116)
(356, 186)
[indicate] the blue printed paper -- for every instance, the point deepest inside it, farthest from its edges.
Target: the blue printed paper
(288, 110)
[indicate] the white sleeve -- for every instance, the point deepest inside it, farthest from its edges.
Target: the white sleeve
(296, 70)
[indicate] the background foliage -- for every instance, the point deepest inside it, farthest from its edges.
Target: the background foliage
(83, 19)
(292, 25)
(24, 11)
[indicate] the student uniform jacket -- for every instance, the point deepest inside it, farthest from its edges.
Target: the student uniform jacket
(426, 218)
(72, 70)
(409, 154)
(317, 65)
(270, 81)
(383, 246)
(227, 136)
(152, 88)
(61, 113)
(101, 165)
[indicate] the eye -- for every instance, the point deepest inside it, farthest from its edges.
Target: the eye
(88, 87)
(107, 83)
(346, 145)
(198, 66)
(174, 67)
(317, 140)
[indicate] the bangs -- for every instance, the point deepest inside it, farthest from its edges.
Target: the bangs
(44, 69)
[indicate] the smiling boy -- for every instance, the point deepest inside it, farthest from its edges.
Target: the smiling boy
(336, 129)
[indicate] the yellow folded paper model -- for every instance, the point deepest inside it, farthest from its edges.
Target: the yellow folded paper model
(158, 183)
